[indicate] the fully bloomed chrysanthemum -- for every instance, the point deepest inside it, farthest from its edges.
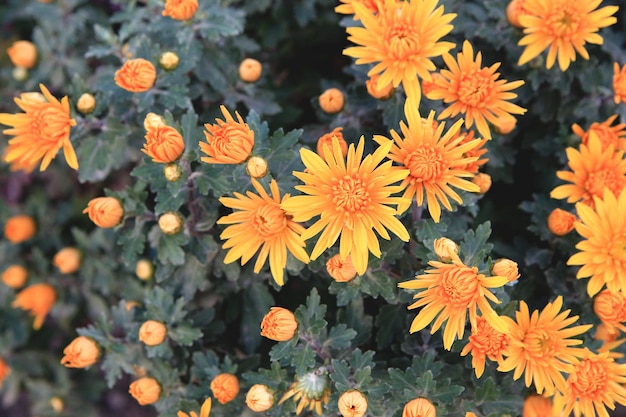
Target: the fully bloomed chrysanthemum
(596, 382)
(352, 198)
(485, 342)
(259, 222)
(603, 250)
(594, 168)
(564, 26)
(608, 135)
(40, 132)
(474, 91)
(401, 38)
(540, 346)
(436, 161)
(449, 292)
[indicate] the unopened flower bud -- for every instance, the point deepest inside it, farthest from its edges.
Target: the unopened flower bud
(86, 103)
(20, 228)
(352, 403)
(225, 387)
(379, 92)
(256, 167)
(23, 54)
(105, 212)
(279, 324)
(611, 309)
(19, 74)
(15, 276)
(170, 223)
(144, 269)
(152, 332)
(80, 353)
(561, 222)
(57, 404)
(168, 61)
(5, 370)
(419, 407)
(260, 398)
(483, 181)
(332, 100)
(250, 70)
(513, 11)
(145, 390)
(341, 270)
(326, 140)
(446, 249)
(505, 124)
(505, 268)
(172, 172)
(152, 121)
(67, 260)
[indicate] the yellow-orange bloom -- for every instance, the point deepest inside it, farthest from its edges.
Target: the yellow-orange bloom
(564, 26)
(38, 300)
(5, 370)
(40, 132)
(505, 268)
(80, 353)
(332, 100)
(475, 91)
(377, 90)
(611, 309)
(23, 54)
(67, 260)
(514, 10)
(19, 228)
(152, 332)
(608, 135)
(136, 75)
(352, 197)
(260, 398)
(352, 403)
(540, 346)
(225, 387)
(419, 407)
(595, 383)
(279, 324)
(485, 342)
(593, 169)
(347, 6)
(537, 406)
(341, 270)
(14, 276)
(400, 39)
(433, 160)
(619, 83)
(327, 140)
(164, 144)
(105, 212)
(259, 224)
(180, 9)
(560, 222)
(250, 70)
(602, 253)
(145, 390)
(228, 141)
(205, 410)
(449, 292)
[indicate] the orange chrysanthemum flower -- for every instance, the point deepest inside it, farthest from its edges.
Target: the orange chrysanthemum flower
(401, 39)
(105, 212)
(180, 9)
(593, 169)
(164, 144)
(225, 387)
(347, 6)
(485, 342)
(80, 353)
(537, 406)
(19, 228)
(279, 324)
(540, 346)
(449, 292)
(433, 159)
(595, 383)
(564, 26)
(39, 132)
(610, 307)
(352, 198)
(608, 135)
(228, 141)
(136, 75)
(514, 10)
(603, 250)
(341, 270)
(619, 83)
(327, 140)
(474, 91)
(23, 54)
(259, 222)
(560, 222)
(38, 299)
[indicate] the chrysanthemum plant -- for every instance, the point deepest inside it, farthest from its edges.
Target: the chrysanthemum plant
(220, 205)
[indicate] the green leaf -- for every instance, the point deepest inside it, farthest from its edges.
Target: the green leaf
(474, 247)
(390, 323)
(340, 375)
(257, 301)
(340, 337)
(303, 359)
(378, 284)
(184, 335)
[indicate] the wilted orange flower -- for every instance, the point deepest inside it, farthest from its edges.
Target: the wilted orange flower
(145, 390)
(400, 39)
(332, 100)
(163, 144)
(608, 135)
(14, 276)
(259, 223)
(19, 228)
(205, 410)
(483, 181)
(327, 140)
(560, 222)
(5, 370)
(446, 250)
(136, 75)
(38, 300)
(347, 6)
(250, 70)
(564, 26)
(449, 292)
(352, 403)
(611, 309)
(225, 387)
(341, 270)
(352, 197)
(279, 324)
(419, 407)
(105, 212)
(593, 169)
(67, 260)
(433, 160)
(514, 10)
(619, 83)
(378, 90)
(311, 390)
(180, 9)
(229, 141)
(475, 91)
(40, 132)
(260, 398)
(537, 406)
(505, 268)
(23, 54)
(540, 346)
(152, 332)
(485, 342)
(80, 353)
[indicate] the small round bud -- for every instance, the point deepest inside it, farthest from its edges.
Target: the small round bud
(152, 332)
(446, 249)
(505, 125)
(379, 92)
(483, 181)
(67, 260)
(225, 387)
(250, 70)
(144, 269)
(152, 121)
(341, 270)
(15, 276)
(352, 403)
(86, 103)
(145, 390)
(505, 268)
(419, 407)
(279, 324)
(23, 54)
(513, 11)
(561, 222)
(260, 398)
(20, 228)
(80, 353)
(19, 74)
(170, 223)
(332, 100)
(256, 167)
(105, 212)
(168, 61)
(327, 140)
(611, 309)
(172, 172)
(57, 404)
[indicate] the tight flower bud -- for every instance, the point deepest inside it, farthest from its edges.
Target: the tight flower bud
(379, 92)
(611, 309)
(152, 121)
(144, 269)
(105, 212)
(38, 300)
(145, 390)
(505, 124)
(561, 222)
(80, 353)
(352, 403)
(250, 70)
(419, 407)
(86, 103)
(23, 54)
(260, 398)
(152, 332)
(514, 10)
(446, 249)
(57, 404)
(180, 9)
(341, 270)
(332, 100)
(327, 140)
(67, 260)
(170, 223)
(483, 181)
(172, 172)
(136, 75)
(15, 276)
(19, 228)
(256, 167)
(164, 144)
(225, 387)
(505, 268)
(168, 61)
(19, 73)
(279, 324)
(5, 370)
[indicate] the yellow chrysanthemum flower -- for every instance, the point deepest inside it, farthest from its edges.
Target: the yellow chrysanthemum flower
(436, 161)
(608, 135)
(540, 346)
(352, 198)
(564, 26)
(400, 39)
(474, 91)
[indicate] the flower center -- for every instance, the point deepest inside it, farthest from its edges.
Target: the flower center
(605, 178)
(475, 88)
(589, 380)
(487, 340)
(540, 343)
(350, 194)
(459, 286)
(617, 249)
(49, 125)
(426, 164)
(403, 41)
(564, 21)
(269, 220)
